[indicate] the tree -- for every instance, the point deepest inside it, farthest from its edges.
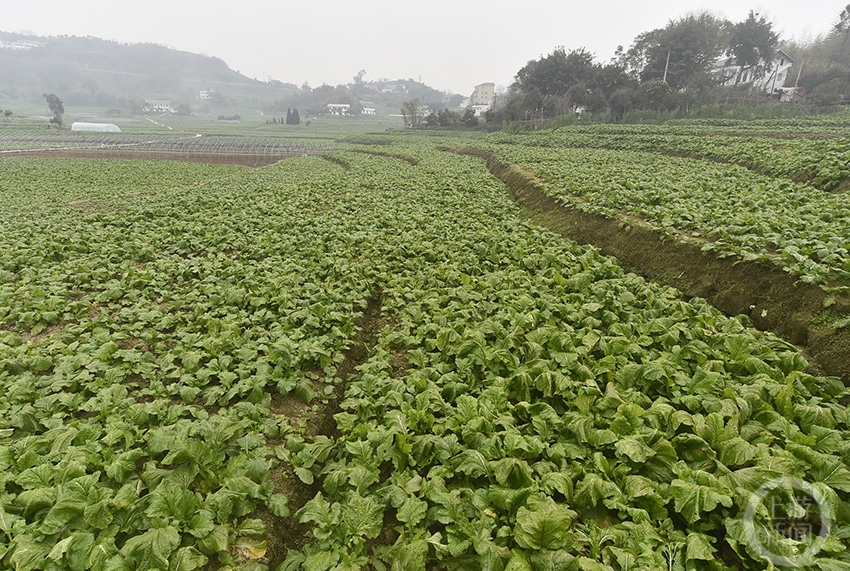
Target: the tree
(578, 96)
(843, 27)
(56, 107)
(412, 113)
(682, 53)
(542, 85)
(562, 83)
(823, 66)
(446, 117)
(292, 117)
(356, 109)
(556, 73)
(656, 94)
(469, 118)
(752, 43)
(621, 101)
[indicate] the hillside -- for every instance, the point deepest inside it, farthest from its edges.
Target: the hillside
(87, 72)
(92, 71)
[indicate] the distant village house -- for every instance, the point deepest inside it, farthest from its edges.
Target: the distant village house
(339, 109)
(479, 110)
(368, 108)
(157, 106)
(19, 45)
(396, 87)
(768, 78)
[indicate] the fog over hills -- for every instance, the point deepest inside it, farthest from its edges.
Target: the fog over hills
(92, 71)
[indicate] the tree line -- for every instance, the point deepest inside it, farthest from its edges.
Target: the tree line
(823, 64)
(673, 68)
(292, 118)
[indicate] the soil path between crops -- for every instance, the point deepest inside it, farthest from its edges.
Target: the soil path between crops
(287, 533)
(774, 300)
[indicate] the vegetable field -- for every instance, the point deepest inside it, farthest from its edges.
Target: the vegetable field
(727, 207)
(372, 360)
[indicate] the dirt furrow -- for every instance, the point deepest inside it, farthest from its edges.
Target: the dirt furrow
(285, 533)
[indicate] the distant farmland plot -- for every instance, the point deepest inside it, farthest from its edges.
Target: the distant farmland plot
(254, 151)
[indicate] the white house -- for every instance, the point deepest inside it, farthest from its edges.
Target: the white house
(19, 45)
(157, 106)
(768, 78)
(338, 108)
(396, 87)
(368, 108)
(480, 109)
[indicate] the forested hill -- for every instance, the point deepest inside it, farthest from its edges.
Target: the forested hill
(93, 71)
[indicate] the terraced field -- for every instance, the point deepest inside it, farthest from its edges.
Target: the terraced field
(750, 243)
(374, 359)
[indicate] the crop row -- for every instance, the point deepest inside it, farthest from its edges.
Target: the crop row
(822, 163)
(153, 318)
(735, 211)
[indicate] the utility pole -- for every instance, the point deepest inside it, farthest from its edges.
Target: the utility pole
(666, 65)
(799, 72)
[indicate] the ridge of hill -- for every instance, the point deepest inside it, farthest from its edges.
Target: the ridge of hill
(93, 71)
(89, 72)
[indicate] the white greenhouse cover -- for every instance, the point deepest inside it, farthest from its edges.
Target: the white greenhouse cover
(99, 127)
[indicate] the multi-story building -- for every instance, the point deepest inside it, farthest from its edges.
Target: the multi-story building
(483, 94)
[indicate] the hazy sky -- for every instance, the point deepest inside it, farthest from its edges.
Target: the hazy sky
(450, 45)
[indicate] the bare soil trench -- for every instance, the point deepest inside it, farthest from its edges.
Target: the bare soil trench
(287, 533)
(774, 300)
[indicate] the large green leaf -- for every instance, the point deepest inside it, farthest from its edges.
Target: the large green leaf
(152, 549)
(695, 500)
(187, 559)
(362, 516)
(412, 511)
(699, 547)
(321, 512)
(544, 525)
(27, 553)
(6, 520)
(736, 452)
(634, 449)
